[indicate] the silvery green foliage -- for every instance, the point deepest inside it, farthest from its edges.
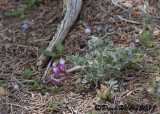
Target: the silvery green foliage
(103, 60)
(112, 83)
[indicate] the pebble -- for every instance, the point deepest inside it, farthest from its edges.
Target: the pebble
(16, 87)
(25, 27)
(99, 29)
(82, 44)
(110, 30)
(18, 9)
(59, 105)
(87, 31)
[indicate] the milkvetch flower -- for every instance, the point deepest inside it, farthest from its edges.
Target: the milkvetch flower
(137, 40)
(54, 80)
(55, 69)
(58, 71)
(62, 64)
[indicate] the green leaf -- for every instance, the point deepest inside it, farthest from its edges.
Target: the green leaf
(23, 8)
(1, 81)
(22, 77)
(11, 14)
(60, 48)
(35, 85)
(150, 34)
(31, 3)
(57, 61)
(148, 44)
(159, 58)
(38, 1)
(47, 53)
(37, 78)
(22, 16)
(29, 73)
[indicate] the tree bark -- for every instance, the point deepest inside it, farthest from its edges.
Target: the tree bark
(71, 10)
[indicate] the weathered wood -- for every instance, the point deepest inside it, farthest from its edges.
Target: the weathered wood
(71, 10)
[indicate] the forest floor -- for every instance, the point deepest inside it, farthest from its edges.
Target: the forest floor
(20, 49)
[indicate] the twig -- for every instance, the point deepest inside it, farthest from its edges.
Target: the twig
(18, 105)
(45, 73)
(115, 3)
(74, 69)
(135, 22)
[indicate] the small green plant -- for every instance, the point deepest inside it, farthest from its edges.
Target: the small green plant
(60, 49)
(3, 84)
(79, 88)
(152, 89)
(54, 105)
(55, 1)
(129, 99)
(60, 100)
(146, 35)
(27, 5)
(33, 81)
(91, 112)
(54, 89)
(106, 62)
(32, 41)
(14, 14)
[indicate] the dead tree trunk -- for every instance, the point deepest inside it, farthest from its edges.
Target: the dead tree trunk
(71, 10)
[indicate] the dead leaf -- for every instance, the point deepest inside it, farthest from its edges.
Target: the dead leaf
(73, 36)
(157, 78)
(94, 30)
(2, 91)
(156, 32)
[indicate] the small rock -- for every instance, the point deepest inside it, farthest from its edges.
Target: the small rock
(99, 29)
(82, 44)
(110, 30)
(128, 73)
(16, 87)
(18, 9)
(25, 27)
(59, 105)
(87, 31)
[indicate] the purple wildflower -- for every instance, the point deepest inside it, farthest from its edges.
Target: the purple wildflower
(54, 80)
(140, 88)
(132, 44)
(137, 40)
(141, 66)
(62, 64)
(55, 69)
(62, 71)
(118, 99)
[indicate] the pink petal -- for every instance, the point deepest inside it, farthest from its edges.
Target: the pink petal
(54, 80)
(62, 64)
(62, 67)
(132, 44)
(55, 70)
(137, 40)
(54, 64)
(62, 61)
